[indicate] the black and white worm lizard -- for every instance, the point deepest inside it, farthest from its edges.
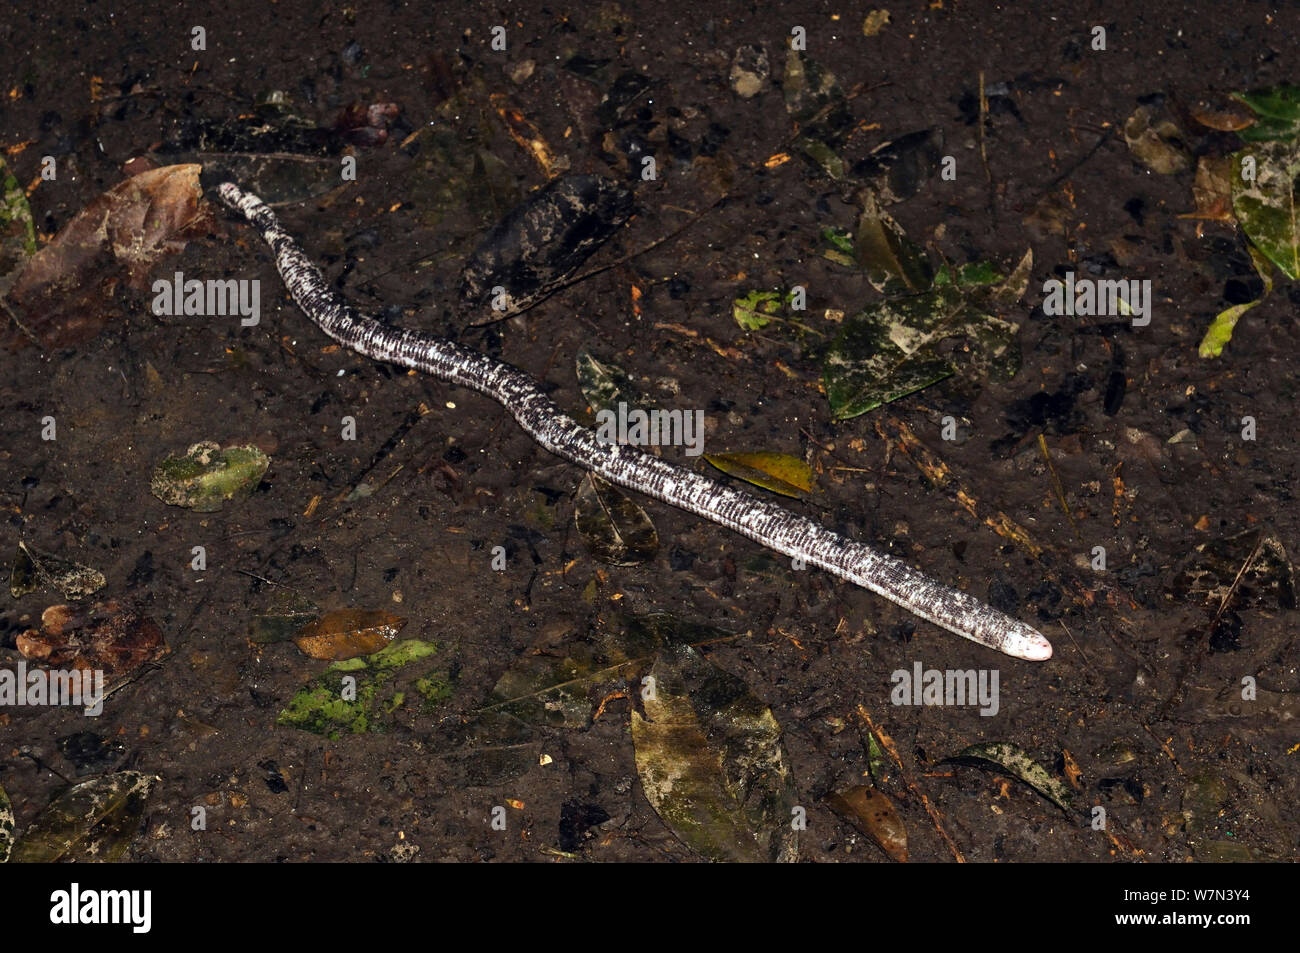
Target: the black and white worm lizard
(764, 522)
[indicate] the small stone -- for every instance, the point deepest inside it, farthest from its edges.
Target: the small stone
(749, 71)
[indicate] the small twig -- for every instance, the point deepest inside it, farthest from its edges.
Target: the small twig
(887, 744)
(1057, 486)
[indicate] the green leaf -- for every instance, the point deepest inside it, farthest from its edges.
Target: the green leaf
(967, 276)
(840, 239)
(17, 230)
(1277, 102)
(756, 310)
(206, 476)
(890, 350)
(95, 820)
(778, 472)
(1016, 762)
(403, 675)
(1266, 207)
(711, 763)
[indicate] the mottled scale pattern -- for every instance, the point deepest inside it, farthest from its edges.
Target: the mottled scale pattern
(764, 522)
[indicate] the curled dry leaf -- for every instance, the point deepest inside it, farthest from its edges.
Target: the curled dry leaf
(542, 242)
(1017, 762)
(106, 637)
(347, 633)
(872, 812)
(63, 296)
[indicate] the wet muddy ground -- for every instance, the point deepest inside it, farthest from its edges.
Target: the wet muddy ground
(1141, 703)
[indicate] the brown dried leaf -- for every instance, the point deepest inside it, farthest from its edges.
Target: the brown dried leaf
(106, 637)
(1227, 116)
(872, 812)
(1212, 190)
(347, 633)
(64, 295)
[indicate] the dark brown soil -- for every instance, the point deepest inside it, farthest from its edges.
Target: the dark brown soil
(1138, 661)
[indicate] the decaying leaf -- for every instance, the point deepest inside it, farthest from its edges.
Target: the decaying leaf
(1017, 762)
(615, 530)
(1257, 556)
(872, 812)
(105, 637)
(606, 385)
(1156, 143)
(897, 169)
(1212, 190)
(540, 243)
(554, 682)
(1265, 204)
(358, 695)
(891, 349)
(95, 820)
(711, 763)
(6, 826)
(893, 262)
(287, 612)
(347, 633)
(814, 99)
(64, 297)
(206, 476)
(778, 472)
(33, 570)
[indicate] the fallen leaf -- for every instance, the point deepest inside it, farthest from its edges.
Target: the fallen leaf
(615, 530)
(368, 694)
(33, 570)
(1157, 144)
(95, 820)
(347, 633)
(711, 764)
(63, 296)
(104, 637)
(1016, 762)
(894, 263)
(1266, 205)
(872, 812)
(205, 477)
(6, 826)
(778, 472)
